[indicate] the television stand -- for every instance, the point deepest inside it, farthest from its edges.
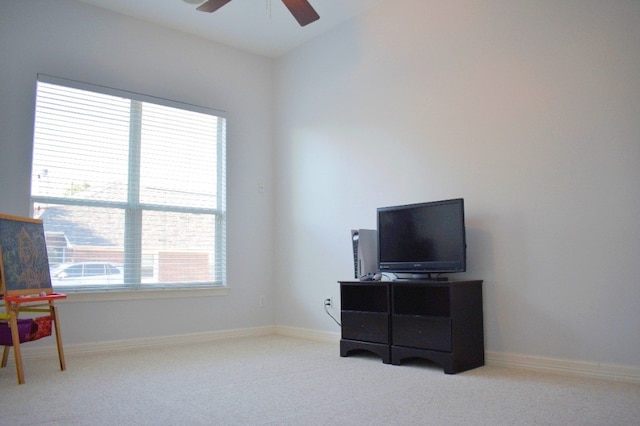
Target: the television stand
(399, 320)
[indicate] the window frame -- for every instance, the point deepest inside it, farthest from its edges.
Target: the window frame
(133, 210)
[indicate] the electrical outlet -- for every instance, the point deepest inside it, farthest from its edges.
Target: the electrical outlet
(261, 301)
(328, 302)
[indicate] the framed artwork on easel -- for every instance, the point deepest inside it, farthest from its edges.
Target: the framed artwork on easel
(24, 264)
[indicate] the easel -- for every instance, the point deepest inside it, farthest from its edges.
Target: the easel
(16, 304)
(25, 284)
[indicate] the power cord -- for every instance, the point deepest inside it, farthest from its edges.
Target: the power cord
(327, 303)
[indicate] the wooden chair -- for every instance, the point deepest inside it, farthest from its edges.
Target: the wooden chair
(25, 286)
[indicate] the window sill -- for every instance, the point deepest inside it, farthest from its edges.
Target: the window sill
(117, 295)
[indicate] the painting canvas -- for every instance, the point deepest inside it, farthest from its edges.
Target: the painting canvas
(24, 265)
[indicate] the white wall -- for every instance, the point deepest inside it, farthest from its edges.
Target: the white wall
(526, 109)
(69, 39)
(529, 110)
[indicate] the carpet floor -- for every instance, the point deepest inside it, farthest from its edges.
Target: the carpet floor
(276, 380)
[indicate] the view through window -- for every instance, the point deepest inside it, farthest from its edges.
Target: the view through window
(130, 188)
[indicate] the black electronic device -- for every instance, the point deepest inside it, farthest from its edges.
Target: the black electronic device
(422, 239)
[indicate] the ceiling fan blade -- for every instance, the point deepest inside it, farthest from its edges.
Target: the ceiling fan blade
(212, 5)
(302, 11)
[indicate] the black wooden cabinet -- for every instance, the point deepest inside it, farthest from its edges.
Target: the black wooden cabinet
(398, 320)
(365, 318)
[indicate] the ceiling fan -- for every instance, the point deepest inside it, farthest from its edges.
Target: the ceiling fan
(300, 9)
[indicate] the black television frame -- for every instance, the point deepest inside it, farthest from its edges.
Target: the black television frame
(421, 267)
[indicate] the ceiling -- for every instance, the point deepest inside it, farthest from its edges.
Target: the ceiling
(264, 27)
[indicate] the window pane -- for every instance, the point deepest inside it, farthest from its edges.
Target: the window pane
(178, 160)
(94, 269)
(183, 245)
(72, 271)
(81, 144)
(131, 191)
(110, 269)
(89, 234)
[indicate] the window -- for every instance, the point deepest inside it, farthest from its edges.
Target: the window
(130, 188)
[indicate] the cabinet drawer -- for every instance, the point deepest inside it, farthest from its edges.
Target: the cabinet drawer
(422, 332)
(365, 326)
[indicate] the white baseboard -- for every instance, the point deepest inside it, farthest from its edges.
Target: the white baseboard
(303, 333)
(621, 373)
(144, 343)
(616, 372)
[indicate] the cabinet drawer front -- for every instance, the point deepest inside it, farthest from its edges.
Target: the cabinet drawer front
(421, 332)
(365, 326)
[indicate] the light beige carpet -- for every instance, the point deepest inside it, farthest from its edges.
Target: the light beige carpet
(276, 380)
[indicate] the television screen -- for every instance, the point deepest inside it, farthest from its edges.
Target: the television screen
(423, 238)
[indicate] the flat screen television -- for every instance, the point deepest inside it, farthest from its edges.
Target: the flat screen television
(418, 240)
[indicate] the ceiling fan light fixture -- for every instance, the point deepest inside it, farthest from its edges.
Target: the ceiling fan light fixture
(301, 10)
(193, 1)
(212, 5)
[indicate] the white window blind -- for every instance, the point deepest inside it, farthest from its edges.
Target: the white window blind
(130, 188)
